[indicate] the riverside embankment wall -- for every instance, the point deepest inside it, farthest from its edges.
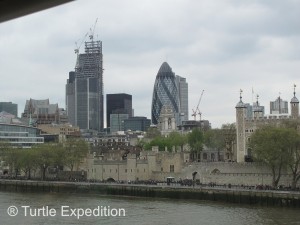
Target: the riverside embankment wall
(252, 197)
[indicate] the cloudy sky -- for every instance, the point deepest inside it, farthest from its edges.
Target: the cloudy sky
(220, 46)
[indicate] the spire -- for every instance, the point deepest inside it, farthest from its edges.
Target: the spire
(294, 99)
(240, 103)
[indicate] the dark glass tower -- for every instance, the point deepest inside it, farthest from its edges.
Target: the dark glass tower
(118, 104)
(84, 89)
(165, 92)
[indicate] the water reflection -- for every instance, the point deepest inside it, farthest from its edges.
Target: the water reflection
(144, 211)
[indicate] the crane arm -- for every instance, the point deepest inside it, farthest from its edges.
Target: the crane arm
(199, 101)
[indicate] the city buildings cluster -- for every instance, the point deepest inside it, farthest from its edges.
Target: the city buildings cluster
(84, 103)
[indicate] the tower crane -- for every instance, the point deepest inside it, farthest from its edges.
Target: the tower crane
(91, 36)
(78, 46)
(197, 108)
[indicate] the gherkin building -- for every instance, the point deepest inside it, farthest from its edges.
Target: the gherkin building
(165, 92)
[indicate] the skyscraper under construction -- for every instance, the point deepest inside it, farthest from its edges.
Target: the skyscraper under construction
(84, 88)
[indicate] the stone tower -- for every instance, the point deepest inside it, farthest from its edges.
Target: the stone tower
(167, 122)
(294, 105)
(257, 110)
(240, 130)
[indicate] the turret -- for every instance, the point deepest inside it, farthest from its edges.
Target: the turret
(240, 130)
(294, 105)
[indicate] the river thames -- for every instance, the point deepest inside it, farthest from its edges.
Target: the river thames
(53, 208)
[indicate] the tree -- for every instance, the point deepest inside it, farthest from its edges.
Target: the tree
(270, 145)
(11, 157)
(153, 132)
(177, 139)
(45, 154)
(228, 132)
(195, 140)
(29, 161)
(75, 150)
(294, 150)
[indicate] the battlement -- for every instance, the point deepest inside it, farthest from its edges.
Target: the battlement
(270, 118)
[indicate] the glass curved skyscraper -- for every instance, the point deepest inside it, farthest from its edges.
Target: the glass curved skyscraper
(165, 92)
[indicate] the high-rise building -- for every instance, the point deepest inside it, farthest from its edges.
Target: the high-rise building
(137, 123)
(279, 106)
(9, 107)
(183, 92)
(165, 93)
(118, 104)
(84, 88)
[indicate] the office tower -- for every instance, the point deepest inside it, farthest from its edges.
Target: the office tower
(165, 93)
(137, 123)
(9, 107)
(279, 106)
(118, 104)
(183, 92)
(84, 88)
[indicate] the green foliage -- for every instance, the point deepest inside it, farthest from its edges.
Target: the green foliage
(42, 156)
(153, 132)
(174, 139)
(271, 145)
(213, 138)
(75, 150)
(196, 139)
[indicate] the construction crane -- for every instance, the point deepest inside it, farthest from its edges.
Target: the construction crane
(78, 46)
(197, 108)
(91, 36)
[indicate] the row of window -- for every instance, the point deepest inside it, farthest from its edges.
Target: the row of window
(110, 170)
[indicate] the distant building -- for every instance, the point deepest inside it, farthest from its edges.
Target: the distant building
(165, 93)
(84, 88)
(17, 134)
(118, 104)
(9, 107)
(279, 106)
(41, 112)
(183, 92)
(117, 122)
(189, 125)
(138, 123)
(60, 129)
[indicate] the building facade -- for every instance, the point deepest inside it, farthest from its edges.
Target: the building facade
(84, 88)
(117, 122)
(41, 112)
(137, 123)
(9, 107)
(14, 132)
(246, 126)
(118, 104)
(183, 92)
(279, 106)
(165, 93)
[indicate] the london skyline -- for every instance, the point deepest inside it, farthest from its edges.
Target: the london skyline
(220, 47)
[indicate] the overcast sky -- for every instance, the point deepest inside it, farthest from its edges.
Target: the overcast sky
(220, 46)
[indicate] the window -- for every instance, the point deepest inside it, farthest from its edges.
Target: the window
(172, 168)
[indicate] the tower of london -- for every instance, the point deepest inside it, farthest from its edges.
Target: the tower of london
(246, 125)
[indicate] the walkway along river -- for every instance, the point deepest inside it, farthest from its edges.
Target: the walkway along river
(242, 196)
